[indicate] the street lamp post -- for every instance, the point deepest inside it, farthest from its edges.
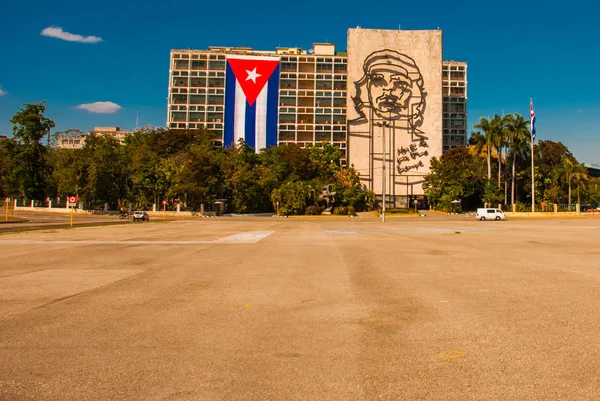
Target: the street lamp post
(383, 125)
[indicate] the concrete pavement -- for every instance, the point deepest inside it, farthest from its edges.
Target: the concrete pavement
(310, 309)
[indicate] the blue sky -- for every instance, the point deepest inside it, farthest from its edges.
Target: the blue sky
(543, 50)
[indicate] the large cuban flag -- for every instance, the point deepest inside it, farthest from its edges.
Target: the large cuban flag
(251, 97)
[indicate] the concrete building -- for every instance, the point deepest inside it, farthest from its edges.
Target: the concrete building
(317, 101)
(454, 87)
(312, 92)
(78, 141)
(70, 142)
(115, 132)
(395, 122)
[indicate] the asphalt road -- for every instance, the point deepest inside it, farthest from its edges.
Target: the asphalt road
(434, 308)
(28, 221)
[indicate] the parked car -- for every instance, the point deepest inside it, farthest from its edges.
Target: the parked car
(490, 214)
(143, 216)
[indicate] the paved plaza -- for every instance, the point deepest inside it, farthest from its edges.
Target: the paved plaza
(231, 308)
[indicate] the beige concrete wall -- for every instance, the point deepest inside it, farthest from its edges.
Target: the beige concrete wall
(394, 87)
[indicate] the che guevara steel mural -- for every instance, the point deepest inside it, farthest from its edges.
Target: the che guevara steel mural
(392, 93)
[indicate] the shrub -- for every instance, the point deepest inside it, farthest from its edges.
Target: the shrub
(313, 210)
(351, 211)
(340, 211)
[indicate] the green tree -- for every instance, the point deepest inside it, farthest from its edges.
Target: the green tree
(518, 140)
(30, 167)
(103, 177)
(198, 175)
(350, 192)
(242, 184)
(292, 197)
(488, 128)
(580, 175)
(326, 160)
(549, 158)
(499, 138)
(565, 173)
(492, 194)
(7, 186)
(457, 174)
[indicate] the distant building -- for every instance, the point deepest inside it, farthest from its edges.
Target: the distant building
(3, 137)
(77, 142)
(114, 132)
(592, 169)
(70, 142)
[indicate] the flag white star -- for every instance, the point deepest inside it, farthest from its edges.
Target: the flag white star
(252, 75)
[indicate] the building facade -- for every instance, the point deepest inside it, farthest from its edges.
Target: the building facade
(312, 92)
(395, 118)
(78, 141)
(454, 87)
(316, 100)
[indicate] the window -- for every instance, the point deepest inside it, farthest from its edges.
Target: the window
(182, 64)
(216, 65)
(199, 65)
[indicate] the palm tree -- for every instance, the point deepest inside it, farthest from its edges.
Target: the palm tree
(518, 136)
(486, 126)
(564, 172)
(499, 138)
(580, 175)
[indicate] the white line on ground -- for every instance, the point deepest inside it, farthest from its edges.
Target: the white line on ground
(250, 237)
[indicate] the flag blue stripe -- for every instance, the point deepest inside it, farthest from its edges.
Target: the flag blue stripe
(272, 108)
(230, 83)
(250, 125)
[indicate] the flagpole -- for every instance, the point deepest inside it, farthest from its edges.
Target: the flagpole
(532, 165)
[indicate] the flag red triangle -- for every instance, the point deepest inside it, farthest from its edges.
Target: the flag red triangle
(252, 75)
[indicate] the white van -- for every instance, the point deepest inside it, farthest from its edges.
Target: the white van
(490, 214)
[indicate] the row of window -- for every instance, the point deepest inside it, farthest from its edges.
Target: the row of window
(459, 132)
(454, 90)
(310, 67)
(337, 60)
(454, 107)
(197, 99)
(310, 93)
(197, 73)
(198, 65)
(311, 127)
(198, 56)
(454, 140)
(312, 102)
(326, 85)
(454, 75)
(310, 136)
(198, 90)
(312, 119)
(312, 77)
(196, 108)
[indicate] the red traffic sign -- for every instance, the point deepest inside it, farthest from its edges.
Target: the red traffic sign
(164, 202)
(72, 199)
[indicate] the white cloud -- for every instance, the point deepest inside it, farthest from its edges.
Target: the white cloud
(2, 92)
(58, 33)
(100, 107)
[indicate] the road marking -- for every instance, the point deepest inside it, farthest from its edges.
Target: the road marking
(244, 238)
(343, 232)
(250, 237)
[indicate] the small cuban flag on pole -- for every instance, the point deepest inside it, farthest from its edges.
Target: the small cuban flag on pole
(532, 115)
